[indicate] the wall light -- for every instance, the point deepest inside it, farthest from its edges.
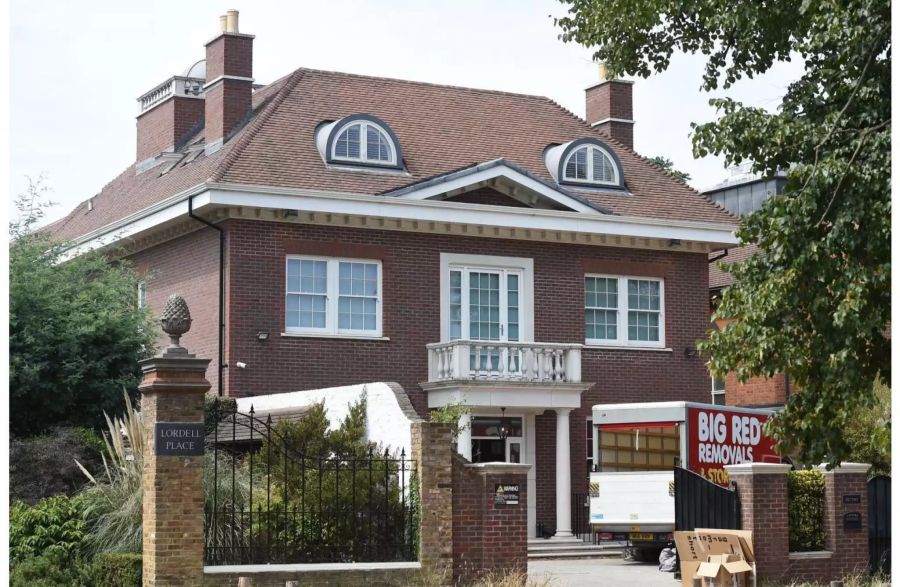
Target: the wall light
(262, 336)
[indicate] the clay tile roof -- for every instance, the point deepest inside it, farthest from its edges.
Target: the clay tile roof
(441, 129)
(717, 277)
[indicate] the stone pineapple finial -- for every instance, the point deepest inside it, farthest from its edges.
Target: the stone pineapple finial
(175, 320)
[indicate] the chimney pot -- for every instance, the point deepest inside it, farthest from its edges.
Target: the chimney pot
(223, 23)
(604, 71)
(232, 20)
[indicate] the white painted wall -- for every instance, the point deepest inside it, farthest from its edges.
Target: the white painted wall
(386, 423)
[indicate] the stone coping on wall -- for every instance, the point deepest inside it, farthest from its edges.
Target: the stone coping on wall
(758, 469)
(858, 468)
(811, 555)
(311, 568)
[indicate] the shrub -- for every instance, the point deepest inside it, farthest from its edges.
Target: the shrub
(53, 569)
(114, 502)
(43, 466)
(56, 525)
(216, 409)
(115, 569)
(806, 510)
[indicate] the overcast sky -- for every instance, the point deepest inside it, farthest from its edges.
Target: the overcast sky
(77, 69)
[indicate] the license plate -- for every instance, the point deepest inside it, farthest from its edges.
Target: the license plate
(640, 536)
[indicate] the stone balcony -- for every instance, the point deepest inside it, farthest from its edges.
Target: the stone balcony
(504, 362)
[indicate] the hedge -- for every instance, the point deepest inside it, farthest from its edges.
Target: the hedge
(55, 569)
(115, 569)
(806, 511)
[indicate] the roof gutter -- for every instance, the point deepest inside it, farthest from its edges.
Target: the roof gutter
(221, 288)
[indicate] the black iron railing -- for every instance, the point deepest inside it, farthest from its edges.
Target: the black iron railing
(581, 516)
(270, 503)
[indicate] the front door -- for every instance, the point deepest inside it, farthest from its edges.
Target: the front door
(488, 447)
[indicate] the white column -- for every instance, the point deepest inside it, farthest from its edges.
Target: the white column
(464, 442)
(530, 450)
(563, 475)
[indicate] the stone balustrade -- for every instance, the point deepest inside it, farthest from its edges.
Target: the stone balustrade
(177, 86)
(483, 360)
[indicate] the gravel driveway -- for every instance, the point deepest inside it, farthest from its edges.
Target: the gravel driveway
(600, 572)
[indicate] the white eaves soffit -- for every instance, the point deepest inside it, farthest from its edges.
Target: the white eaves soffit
(420, 208)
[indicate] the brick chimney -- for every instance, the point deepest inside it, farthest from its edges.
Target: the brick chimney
(609, 109)
(229, 81)
(170, 113)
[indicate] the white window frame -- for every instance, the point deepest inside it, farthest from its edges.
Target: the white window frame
(717, 392)
(622, 313)
(522, 265)
(363, 144)
(141, 294)
(590, 167)
(332, 294)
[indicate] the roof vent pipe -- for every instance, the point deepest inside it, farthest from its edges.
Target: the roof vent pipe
(231, 18)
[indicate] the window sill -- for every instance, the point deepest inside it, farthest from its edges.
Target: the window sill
(334, 336)
(613, 347)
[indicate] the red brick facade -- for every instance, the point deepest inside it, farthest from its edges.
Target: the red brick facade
(757, 391)
(167, 125)
(189, 266)
(411, 318)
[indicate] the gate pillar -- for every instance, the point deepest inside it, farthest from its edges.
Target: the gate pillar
(763, 494)
(846, 518)
(172, 389)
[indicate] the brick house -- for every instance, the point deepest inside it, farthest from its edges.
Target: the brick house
(743, 194)
(473, 246)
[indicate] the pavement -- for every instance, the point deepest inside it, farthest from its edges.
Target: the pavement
(598, 572)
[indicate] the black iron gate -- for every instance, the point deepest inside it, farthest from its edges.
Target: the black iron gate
(703, 504)
(268, 500)
(880, 524)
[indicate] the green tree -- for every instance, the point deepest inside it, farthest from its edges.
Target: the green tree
(869, 433)
(816, 301)
(667, 164)
(75, 331)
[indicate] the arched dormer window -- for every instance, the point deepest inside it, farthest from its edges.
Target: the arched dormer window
(359, 140)
(587, 162)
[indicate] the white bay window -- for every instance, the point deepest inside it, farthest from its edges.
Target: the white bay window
(333, 296)
(623, 311)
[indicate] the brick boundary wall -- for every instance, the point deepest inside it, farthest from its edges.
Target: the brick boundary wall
(763, 494)
(461, 528)
(172, 390)
(487, 536)
(849, 548)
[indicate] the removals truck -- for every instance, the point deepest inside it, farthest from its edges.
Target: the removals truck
(635, 447)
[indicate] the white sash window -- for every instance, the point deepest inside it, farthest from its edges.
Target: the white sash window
(623, 311)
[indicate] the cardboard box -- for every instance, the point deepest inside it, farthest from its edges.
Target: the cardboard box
(724, 570)
(695, 548)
